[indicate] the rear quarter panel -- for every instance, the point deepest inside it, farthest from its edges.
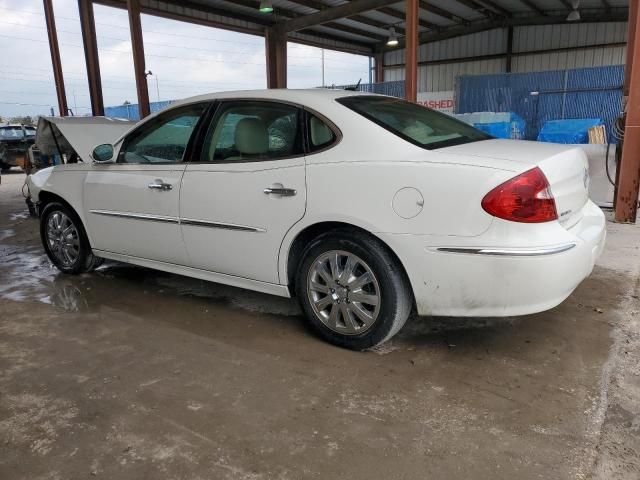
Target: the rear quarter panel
(356, 182)
(365, 191)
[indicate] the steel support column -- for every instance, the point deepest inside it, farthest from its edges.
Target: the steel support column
(631, 32)
(626, 205)
(90, 44)
(55, 57)
(509, 54)
(276, 53)
(411, 51)
(137, 45)
(379, 67)
(631, 36)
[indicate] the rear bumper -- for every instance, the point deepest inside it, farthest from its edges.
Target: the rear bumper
(478, 277)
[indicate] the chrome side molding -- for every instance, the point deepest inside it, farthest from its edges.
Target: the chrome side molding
(506, 252)
(226, 226)
(137, 216)
(181, 221)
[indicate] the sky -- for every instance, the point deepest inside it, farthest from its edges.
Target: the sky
(185, 59)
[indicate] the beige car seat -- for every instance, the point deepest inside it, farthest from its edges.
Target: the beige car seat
(251, 139)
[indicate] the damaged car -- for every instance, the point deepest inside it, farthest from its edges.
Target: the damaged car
(364, 207)
(15, 141)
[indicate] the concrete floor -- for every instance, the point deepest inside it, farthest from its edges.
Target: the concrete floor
(128, 373)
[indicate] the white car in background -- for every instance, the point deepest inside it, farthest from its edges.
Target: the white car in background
(363, 206)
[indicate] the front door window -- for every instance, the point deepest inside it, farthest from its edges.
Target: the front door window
(163, 139)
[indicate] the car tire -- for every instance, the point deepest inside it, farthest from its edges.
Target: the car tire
(65, 241)
(368, 313)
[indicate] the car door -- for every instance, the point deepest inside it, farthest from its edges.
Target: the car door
(247, 189)
(132, 205)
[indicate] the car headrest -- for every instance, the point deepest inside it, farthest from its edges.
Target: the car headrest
(252, 137)
(320, 133)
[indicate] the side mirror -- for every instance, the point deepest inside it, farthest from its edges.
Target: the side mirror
(103, 153)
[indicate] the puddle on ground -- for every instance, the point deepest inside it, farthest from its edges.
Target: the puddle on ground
(29, 276)
(19, 216)
(6, 233)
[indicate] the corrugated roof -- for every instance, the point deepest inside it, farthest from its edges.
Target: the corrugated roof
(365, 31)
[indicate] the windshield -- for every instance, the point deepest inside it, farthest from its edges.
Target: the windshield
(16, 132)
(414, 123)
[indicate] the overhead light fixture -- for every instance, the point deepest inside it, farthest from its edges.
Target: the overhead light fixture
(574, 15)
(393, 37)
(266, 6)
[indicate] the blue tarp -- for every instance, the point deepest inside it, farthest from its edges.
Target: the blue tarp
(497, 124)
(537, 97)
(514, 129)
(568, 131)
(130, 111)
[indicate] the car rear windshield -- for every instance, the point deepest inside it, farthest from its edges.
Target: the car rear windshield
(416, 124)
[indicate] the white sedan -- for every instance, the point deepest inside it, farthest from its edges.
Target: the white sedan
(364, 207)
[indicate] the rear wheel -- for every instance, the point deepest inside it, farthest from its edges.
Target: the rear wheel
(352, 290)
(65, 241)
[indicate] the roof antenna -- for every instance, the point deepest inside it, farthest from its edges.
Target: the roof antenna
(354, 88)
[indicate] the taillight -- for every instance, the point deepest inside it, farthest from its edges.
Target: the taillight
(526, 198)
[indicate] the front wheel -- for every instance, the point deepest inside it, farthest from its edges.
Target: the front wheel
(65, 241)
(352, 290)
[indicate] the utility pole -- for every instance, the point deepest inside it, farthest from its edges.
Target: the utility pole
(322, 50)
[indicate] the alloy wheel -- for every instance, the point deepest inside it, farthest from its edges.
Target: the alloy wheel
(63, 238)
(344, 292)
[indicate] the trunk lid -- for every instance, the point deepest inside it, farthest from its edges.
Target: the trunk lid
(566, 168)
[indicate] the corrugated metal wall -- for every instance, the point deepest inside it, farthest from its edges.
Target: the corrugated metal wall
(439, 77)
(592, 57)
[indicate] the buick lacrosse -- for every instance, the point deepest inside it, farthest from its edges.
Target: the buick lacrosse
(364, 207)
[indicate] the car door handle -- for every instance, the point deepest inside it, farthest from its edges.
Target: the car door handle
(285, 192)
(160, 185)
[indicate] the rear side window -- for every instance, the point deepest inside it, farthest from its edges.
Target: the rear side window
(414, 123)
(320, 134)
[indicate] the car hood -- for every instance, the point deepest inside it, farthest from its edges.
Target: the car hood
(78, 135)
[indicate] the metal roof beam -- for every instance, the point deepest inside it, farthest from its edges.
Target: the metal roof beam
(356, 18)
(325, 16)
(497, 8)
(429, 7)
(354, 46)
(375, 23)
(284, 12)
(615, 15)
(355, 31)
(400, 15)
(485, 8)
(531, 4)
(566, 4)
